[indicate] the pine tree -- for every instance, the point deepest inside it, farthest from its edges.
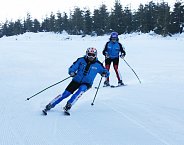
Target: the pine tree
(8, 28)
(77, 21)
(36, 26)
(45, 25)
(59, 23)
(66, 25)
(127, 22)
(96, 21)
(28, 24)
(139, 19)
(116, 18)
(163, 18)
(101, 20)
(150, 11)
(52, 22)
(87, 22)
(1, 31)
(18, 27)
(177, 18)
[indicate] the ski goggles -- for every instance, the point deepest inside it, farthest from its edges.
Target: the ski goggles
(114, 39)
(91, 55)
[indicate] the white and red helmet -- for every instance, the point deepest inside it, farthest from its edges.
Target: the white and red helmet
(91, 52)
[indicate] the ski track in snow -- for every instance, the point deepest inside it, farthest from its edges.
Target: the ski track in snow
(138, 123)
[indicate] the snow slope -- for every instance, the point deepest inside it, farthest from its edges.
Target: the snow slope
(150, 113)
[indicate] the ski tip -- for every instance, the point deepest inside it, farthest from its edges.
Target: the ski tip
(44, 112)
(66, 113)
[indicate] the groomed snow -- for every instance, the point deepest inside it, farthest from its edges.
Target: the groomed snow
(151, 113)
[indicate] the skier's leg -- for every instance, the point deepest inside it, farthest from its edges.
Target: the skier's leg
(118, 75)
(59, 98)
(107, 66)
(115, 65)
(55, 101)
(76, 96)
(68, 91)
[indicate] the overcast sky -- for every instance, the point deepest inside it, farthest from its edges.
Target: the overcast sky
(17, 9)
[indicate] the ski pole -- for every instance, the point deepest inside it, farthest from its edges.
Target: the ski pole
(96, 91)
(103, 61)
(48, 88)
(132, 70)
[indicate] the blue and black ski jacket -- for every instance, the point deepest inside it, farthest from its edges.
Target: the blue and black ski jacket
(86, 71)
(112, 49)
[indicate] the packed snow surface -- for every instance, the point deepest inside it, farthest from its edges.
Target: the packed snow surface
(150, 113)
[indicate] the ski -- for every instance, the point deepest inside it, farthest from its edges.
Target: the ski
(44, 112)
(102, 86)
(113, 86)
(66, 113)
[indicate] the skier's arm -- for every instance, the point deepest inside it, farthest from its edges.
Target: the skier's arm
(104, 52)
(74, 67)
(122, 50)
(103, 71)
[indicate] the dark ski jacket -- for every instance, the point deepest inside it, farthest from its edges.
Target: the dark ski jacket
(113, 49)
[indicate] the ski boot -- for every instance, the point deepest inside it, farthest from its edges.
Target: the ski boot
(67, 108)
(47, 108)
(106, 83)
(120, 83)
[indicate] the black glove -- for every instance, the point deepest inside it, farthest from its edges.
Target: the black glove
(104, 74)
(122, 55)
(72, 74)
(106, 55)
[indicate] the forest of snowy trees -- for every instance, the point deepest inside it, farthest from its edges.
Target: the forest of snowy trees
(157, 17)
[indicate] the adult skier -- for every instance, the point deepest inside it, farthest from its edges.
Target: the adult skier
(112, 51)
(83, 71)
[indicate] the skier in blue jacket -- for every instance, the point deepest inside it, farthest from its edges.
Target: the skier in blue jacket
(83, 71)
(112, 51)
